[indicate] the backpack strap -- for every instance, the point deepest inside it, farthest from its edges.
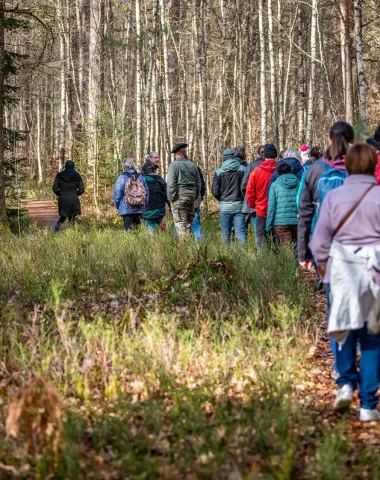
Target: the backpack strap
(352, 210)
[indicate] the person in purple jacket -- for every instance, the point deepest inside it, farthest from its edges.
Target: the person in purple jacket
(349, 223)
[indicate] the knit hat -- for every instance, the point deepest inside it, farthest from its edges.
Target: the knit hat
(228, 154)
(69, 165)
(305, 153)
(270, 151)
(283, 168)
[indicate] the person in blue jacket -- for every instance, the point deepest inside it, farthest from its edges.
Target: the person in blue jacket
(292, 158)
(131, 213)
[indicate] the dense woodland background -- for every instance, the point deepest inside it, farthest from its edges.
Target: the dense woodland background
(98, 80)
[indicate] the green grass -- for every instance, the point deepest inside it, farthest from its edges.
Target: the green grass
(192, 375)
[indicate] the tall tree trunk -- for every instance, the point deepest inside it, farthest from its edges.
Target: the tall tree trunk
(62, 59)
(38, 141)
(301, 83)
(263, 101)
(281, 126)
(94, 80)
(346, 60)
(313, 50)
(359, 60)
(3, 211)
(138, 85)
(167, 96)
(273, 77)
(223, 11)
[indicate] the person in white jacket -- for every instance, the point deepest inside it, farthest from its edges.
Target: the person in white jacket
(346, 246)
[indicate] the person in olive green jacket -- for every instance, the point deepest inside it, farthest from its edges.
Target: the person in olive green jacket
(184, 187)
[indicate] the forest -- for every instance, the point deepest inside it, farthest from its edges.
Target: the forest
(132, 355)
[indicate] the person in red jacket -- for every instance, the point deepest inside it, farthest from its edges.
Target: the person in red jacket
(256, 193)
(375, 142)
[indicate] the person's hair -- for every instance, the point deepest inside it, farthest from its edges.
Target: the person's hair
(240, 152)
(341, 135)
(260, 151)
(150, 155)
(361, 159)
(181, 152)
(281, 156)
(149, 167)
(316, 152)
(128, 164)
(291, 153)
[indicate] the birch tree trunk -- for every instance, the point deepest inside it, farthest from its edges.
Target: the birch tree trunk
(346, 61)
(273, 82)
(38, 141)
(167, 101)
(62, 58)
(223, 11)
(3, 210)
(138, 85)
(301, 84)
(360, 67)
(281, 126)
(263, 101)
(94, 80)
(313, 49)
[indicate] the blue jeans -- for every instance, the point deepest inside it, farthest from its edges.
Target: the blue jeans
(153, 223)
(196, 226)
(227, 219)
(253, 218)
(368, 378)
(62, 220)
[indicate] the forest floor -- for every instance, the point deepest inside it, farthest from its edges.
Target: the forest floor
(43, 212)
(127, 356)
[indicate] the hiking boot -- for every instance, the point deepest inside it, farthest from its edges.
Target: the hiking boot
(369, 415)
(343, 398)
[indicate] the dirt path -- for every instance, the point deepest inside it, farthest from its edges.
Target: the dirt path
(43, 212)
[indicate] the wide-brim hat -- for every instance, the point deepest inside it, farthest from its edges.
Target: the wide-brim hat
(179, 147)
(375, 140)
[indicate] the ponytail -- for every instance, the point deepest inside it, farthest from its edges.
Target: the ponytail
(341, 135)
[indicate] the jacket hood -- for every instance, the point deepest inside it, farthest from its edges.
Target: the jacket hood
(295, 165)
(69, 175)
(338, 163)
(232, 165)
(268, 165)
(288, 180)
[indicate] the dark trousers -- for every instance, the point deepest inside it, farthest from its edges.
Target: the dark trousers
(62, 220)
(286, 233)
(261, 234)
(132, 220)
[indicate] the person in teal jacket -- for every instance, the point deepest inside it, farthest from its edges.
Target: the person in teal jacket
(282, 206)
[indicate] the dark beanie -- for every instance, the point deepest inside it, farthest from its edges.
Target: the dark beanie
(69, 165)
(228, 154)
(283, 168)
(270, 151)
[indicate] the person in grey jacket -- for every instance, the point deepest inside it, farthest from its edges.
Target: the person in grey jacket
(184, 187)
(353, 232)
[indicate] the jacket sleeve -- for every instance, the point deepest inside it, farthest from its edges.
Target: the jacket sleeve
(244, 181)
(199, 184)
(56, 189)
(80, 189)
(251, 190)
(273, 178)
(272, 203)
(323, 234)
(203, 184)
(305, 219)
(172, 187)
(146, 188)
(215, 190)
(118, 191)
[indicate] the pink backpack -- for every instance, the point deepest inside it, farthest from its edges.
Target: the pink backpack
(134, 191)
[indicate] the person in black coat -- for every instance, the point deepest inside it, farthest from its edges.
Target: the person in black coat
(68, 186)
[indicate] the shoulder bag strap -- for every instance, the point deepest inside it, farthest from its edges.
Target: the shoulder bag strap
(352, 210)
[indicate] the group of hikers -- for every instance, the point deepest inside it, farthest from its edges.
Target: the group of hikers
(326, 203)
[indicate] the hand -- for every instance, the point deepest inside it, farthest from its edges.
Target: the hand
(307, 265)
